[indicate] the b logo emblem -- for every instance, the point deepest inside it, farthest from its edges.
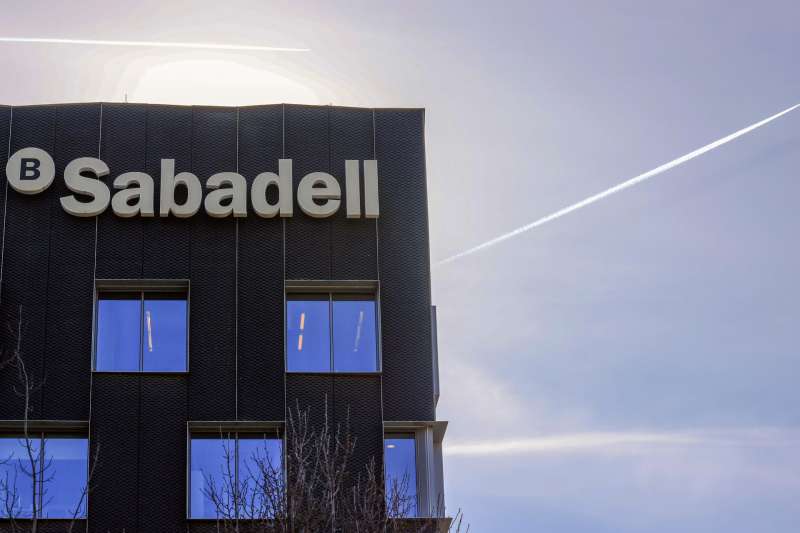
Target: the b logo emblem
(30, 170)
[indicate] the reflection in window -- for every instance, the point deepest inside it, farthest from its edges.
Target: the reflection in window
(308, 347)
(354, 343)
(327, 333)
(117, 333)
(60, 466)
(141, 332)
(164, 335)
(400, 464)
(220, 465)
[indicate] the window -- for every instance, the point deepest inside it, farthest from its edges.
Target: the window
(400, 460)
(141, 332)
(228, 473)
(413, 468)
(331, 333)
(59, 464)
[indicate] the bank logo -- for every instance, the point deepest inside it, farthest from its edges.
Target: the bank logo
(319, 194)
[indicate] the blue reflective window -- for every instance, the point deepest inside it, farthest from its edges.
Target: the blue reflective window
(118, 324)
(66, 468)
(400, 464)
(308, 342)
(354, 336)
(140, 332)
(331, 333)
(260, 465)
(209, 471)
(61, 470)
(16, 486)
(164, 335)
(217, 463)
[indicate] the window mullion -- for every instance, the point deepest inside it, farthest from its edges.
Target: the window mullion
(41, 476)
(141, 332)
(330, 330)
(236, 486)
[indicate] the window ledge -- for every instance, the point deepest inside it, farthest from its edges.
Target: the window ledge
(55, 426)
(303, 373)
(138, 373)
(205, 426)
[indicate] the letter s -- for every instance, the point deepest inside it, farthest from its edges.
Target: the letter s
(76, 182)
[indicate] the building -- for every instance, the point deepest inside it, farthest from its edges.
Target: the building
(152, 331)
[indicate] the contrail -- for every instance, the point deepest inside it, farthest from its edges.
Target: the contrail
(157, 44)
(617, 188)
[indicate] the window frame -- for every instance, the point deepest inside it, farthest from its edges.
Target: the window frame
(352, 290)
(408, 434)
(42, 432)
(154, 287)
(221, 431)
(428, 438)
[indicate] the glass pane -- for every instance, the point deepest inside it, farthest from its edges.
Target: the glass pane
(211, 474)
(14, 463)
(66, 469)
(118, 335)
(164, 335)
(354, 346)
(400, 456)
(308, 346)
(260, 474)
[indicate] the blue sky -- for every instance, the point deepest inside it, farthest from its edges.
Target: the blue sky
(630, 367)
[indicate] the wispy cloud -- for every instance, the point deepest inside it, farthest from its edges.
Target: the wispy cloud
(617, 188)
(626, 440)
(153, 44)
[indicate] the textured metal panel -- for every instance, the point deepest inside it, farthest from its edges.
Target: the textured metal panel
(212, 363)
(357, 401)
(404, 266)
(353, 243)
(115, 429)
(203, 526)
(167, 241)
(7, 403)
(260, 275)
(139, 421)
(124, 143)
(308, 240)
(26, 264)
(312, 393)
(57, 526)
(5, 123)
(162, 449)
(67, 361)
(348, 400)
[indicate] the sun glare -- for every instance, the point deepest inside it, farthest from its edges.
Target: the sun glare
(216, 82)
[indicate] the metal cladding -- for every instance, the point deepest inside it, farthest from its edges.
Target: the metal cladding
(237, 201)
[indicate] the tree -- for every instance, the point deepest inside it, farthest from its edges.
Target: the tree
(313, 489)
(33, 470)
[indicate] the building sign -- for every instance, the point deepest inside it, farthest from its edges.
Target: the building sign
(319, 195)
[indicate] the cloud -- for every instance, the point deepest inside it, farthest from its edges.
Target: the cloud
(622, 441)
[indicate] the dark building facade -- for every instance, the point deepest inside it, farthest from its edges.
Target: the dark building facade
(256, 300)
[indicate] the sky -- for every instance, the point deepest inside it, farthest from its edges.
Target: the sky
(630, 367)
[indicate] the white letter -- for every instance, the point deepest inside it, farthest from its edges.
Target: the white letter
(194, 191)
(30, 170)
(329, 191)
(236, 193)
(143, 194)
(371, 189)
(282, 180)
(78, 183)
(352, 188)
